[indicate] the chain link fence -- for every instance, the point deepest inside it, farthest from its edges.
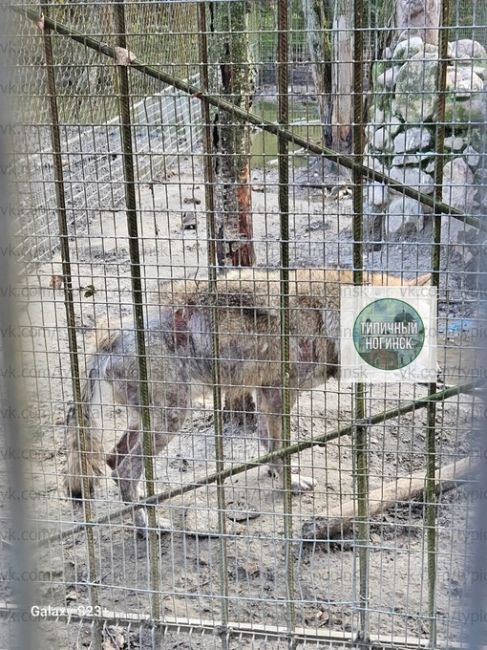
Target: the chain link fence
(312, 146)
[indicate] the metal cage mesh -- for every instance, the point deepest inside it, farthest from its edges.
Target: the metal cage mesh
(128, 159)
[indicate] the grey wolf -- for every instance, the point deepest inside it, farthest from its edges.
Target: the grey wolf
(179, 360)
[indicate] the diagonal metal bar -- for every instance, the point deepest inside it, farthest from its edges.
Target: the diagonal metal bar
(295, 448)
(343, 159)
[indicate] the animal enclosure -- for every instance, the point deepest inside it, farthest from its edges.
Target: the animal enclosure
(157, 147)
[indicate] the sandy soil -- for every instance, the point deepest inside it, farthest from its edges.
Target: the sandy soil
(326, 587)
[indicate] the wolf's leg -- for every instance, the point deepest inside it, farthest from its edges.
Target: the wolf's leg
(127, 459)
(269, 403)
(239, 408)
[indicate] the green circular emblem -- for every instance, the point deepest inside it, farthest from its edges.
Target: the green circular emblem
(388, 334)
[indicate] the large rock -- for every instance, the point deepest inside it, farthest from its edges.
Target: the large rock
(414, 177)
(458, 179)
(455, 143)
(416, 96)
(408, 48)
(393, 124)
(376, 115)
(462, 81)
(411, 159)
(401, 214)
(376, 194)
(374, 163)
(389, 77)
(466, 49)
(412, 140)
(381, 139)
(471, 157)
(469, 112)
(373, 226)
(480, 71)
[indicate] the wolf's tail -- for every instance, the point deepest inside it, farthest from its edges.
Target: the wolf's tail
(84, 461)
(85, 456)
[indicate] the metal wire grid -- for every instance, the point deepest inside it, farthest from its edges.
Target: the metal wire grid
(227, 571)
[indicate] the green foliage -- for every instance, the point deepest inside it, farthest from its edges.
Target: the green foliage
(263, 34)
(468, 20)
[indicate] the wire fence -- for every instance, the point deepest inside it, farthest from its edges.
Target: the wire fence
(313, 147)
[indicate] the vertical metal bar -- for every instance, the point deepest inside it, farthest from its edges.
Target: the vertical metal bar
(475, 624)
(283, 169)
(361, 465)
(430, 491)
(70, 315)
(211, 230)
(14, 436)
(138, 302)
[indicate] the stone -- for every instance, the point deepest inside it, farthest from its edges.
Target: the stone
(417, 51)
(376, 194)
(455, 143)
(414, 177)
(373, 225)
(463, 81)
(406, 159)
(394, 125)
(369, 133)
(413, 139)
(381, 140)
(416, 96)
(401, 212)
(458, 180)
(480, 71)
(430, 167)
(471, 157)
(462, 113)
(374, 163)
(388, 78)
(465, 48)
(377, 116)
(408, 48)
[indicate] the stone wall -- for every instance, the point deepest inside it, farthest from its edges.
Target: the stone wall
(401, 136)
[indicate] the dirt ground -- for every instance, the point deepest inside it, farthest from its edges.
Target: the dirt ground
(192, 580)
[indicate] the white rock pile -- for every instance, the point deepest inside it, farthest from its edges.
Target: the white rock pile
(402, 135)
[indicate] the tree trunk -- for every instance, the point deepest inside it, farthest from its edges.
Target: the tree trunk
(342, 75)
(317, 20)
(233, 79)
(419, 18)
(331, 66)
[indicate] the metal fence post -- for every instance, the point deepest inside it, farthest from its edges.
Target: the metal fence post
(138, 302)
(70, 315)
